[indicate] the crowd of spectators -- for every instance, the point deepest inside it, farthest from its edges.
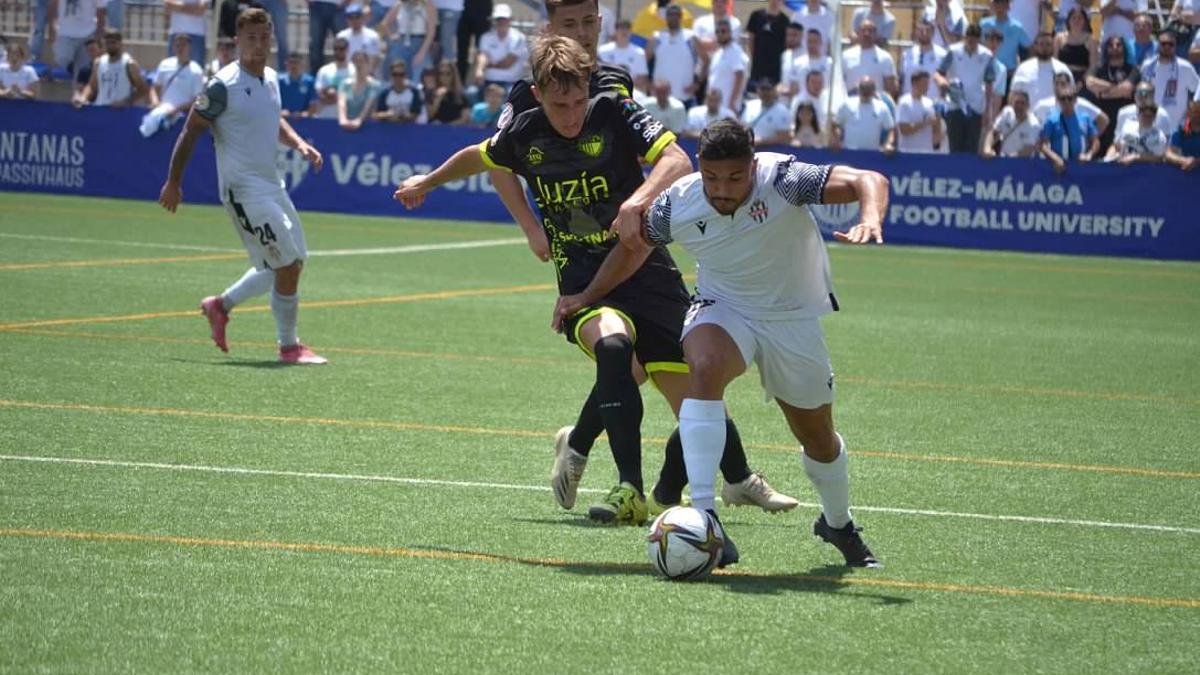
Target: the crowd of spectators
(1066, 80)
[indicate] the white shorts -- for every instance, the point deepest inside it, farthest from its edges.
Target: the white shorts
(269, 227)
(793, 364)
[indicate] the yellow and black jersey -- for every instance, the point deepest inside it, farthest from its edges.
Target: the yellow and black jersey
(579, 183)
(605, 79)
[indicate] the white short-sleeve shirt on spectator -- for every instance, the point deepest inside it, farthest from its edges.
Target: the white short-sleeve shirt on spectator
(705, 27)
(179, 85)
(1027, 13)
(630, 57)
(673, 117)
(885, 24)
(698, 117)
(675, 60)
(1119, 25)
(23, 77)
(821, 21)
(1049, 104)
(1135, 141)
(366, 41)
(726, 62)
(913, 57)
(1014, 134)
(769, 122)
(331, 75)
(188, 23)
(802, 66)
(858, 63)
(497, 49)
(972, 70)
(1174, 83)
(77, 19)
(910, 110)
(864, 124)
(1037, 77)
(1129, 112)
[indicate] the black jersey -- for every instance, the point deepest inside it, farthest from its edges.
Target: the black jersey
(580, 183)
(604, 79)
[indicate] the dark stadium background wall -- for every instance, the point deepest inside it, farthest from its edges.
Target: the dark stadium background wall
(958, 201)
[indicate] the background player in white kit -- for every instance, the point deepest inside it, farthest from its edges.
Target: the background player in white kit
(241, 107)
(763, 282)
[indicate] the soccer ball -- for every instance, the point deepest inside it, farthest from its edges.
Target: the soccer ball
(685, 544)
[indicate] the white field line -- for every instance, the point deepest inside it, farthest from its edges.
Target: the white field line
(541, 488)
(389, 250)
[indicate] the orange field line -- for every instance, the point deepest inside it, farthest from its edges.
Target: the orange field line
(524, 433)
(116, 262)
(436, 554)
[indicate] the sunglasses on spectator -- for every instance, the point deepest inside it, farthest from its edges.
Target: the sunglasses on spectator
(1166, 43)
(1065, 99)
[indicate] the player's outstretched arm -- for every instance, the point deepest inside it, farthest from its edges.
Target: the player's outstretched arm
(512, 195)
(289, 137)
(464, 163)
(172, 190)
(870, 190)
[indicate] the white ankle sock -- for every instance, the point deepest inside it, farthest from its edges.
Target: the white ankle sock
(286, 309)
(702, 431)
(254, 282)
(832, 481)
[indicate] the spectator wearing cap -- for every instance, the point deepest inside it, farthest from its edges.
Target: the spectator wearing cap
(1068, 135)
(297, 89)
(621, 52)
(770, 119)
(1144, 94)
(885, 21)
(1016, 131)
(922, 55)
(359, 38)
(710, 111)
(503, 54)
(766, 33)
(1185, 142)
(666, 108)
(969, 76)
(1015, 41)
(868, 59)
(676, 55)
(1036, 74)
(728, 68)
(1174, 79)
(1139, 140)
(864, 122)
(917, 120)
(705, 27)
(17, 78)
(190, 18)
(325, 17)
(410, 26)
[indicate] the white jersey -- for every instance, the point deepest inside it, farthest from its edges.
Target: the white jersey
(767, 261)
(244, 111)
(1135, 141)
(112, 78)
(630, 57)
(1129, 112)
(178, 85)
(1016, 135)
(1174, 84)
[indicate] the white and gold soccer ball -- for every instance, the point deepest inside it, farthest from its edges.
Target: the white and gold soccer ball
(685, 544)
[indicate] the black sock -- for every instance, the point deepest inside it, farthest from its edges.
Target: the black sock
(620, 405)
(673, 475)
(587, 427)
(734, 468)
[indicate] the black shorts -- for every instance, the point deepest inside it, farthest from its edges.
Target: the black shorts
(656, 319)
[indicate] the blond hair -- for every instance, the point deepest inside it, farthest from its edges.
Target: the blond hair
(560, 62)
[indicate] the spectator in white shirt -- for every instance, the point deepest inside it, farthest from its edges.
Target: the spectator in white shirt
(949, 23)
(701, 116)
(1016, 131)
(1174, 79)
(919, 124)
(793, 48)
(885, 21)
(666, 108)
(812, 59)
(1045, 107)
(967, 74)
(675, 55)
(728, 67)
(814, 15)
(923, 54)
(359, 38)
(1036, 75)
(864, 123)
(818, 95)
(188, 17)
(17, 78)
(177, 82)
(226, 53)
(1118, 18)
(867, 59)
(705, 27)
(621, 52)
(1143, 95)
(503, 56)
(770, 120)
(330, 78)
(71, 24)
(1140, 140)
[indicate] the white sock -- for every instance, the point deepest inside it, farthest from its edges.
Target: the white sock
(286, 309)
(254, 282)
(832, 481)
(702, 431)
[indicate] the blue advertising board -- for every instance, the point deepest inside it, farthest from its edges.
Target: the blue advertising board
(1144, 211)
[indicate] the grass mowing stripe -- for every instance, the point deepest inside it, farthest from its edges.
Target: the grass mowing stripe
(477, 556)
(117, 262)
(372, 478)
(1024, 391)
(112, 242)
(417, 248)
(387, 299)
(1009, 266)
(488, 431)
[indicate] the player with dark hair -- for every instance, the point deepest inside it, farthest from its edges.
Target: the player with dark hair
(763, 284)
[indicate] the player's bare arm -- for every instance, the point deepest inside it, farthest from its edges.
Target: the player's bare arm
(464, 163)
(870, 190)
(618, 266)
(512, 195)
(172, 190)
(289, 137)
(670, 165)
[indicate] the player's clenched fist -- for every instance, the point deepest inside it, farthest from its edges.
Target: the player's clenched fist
(411, 192)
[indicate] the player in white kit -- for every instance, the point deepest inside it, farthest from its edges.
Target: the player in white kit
(763, 282)
(241, 107)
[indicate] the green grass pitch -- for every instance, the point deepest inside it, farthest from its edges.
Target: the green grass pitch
(1023, 433)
